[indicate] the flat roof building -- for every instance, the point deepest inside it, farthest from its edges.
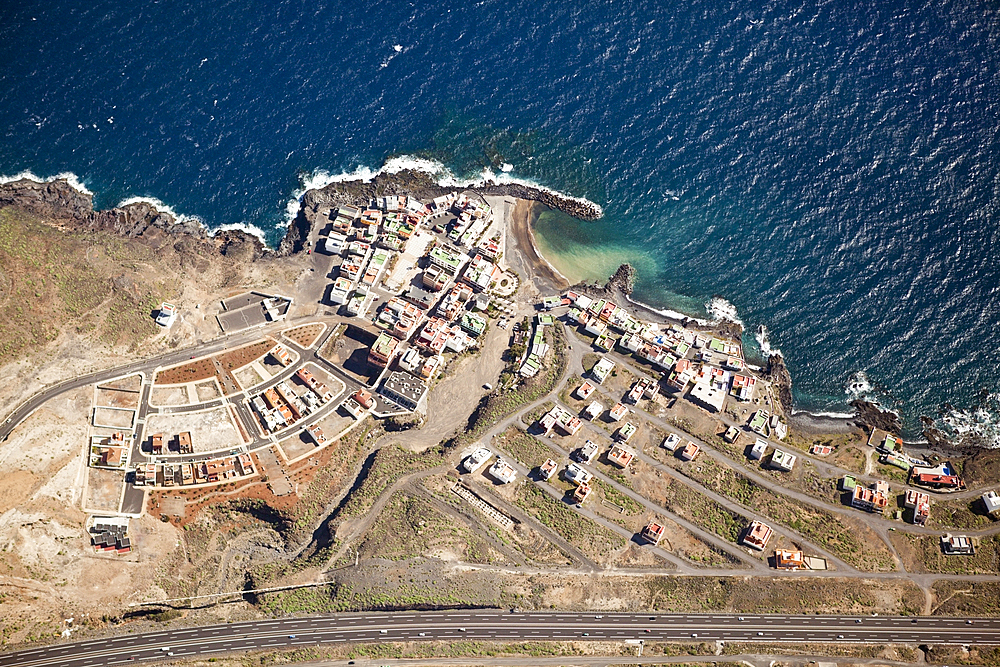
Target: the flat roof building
(403, 389)
(756, 535)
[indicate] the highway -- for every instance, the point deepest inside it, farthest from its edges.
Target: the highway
(498, 625)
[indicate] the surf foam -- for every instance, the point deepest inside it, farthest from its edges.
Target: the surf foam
(246, 227)
(68, 176)
(721, 310)
(766, 349)
(162, 208)
(443, 176)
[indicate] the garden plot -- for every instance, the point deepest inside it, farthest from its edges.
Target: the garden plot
(210, 430)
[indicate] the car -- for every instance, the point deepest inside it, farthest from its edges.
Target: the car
(598, 617)
(857, 620)
(461, 629)
(742, 619)
(760, 634)
(840, 636)
(647, 630)
(291, 636)
(382, 632)
(422, 634)
(694, 634)
(586, 634)
(164, 648)
(968, 622)
(487, 386)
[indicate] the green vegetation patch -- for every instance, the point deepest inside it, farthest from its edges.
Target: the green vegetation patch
(594, 540)
(524, 448)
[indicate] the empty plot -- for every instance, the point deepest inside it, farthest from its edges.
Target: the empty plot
(177, 395)
(207, 391)
(210, 430)
(114, 417)
(249, 377)
(117, 398)
(104, 489)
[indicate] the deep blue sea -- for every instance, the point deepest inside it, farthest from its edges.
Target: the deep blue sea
(830, 170)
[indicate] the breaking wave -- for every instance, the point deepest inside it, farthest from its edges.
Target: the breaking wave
(722, 310)
(68, 176)
(766, 349)
(443, 176)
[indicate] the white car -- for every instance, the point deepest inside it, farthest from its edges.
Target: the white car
(476, 459)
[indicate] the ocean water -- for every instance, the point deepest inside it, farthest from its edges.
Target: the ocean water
(828, 170)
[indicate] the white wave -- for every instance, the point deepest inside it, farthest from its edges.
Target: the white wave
(440, 173)
(253, 230)
(822, 413)
(720, 310)
(766, 348)
(666, 312)
(68, 176)
(162, 208)
(397, 47)
(982, 422)
(859, 386)
(506, 167)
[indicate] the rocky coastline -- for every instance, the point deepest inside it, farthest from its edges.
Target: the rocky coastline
(60, 204)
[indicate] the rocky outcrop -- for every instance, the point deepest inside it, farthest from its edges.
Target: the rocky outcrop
(777, 374)
(871, 416)
(59, 203)
(623, 280)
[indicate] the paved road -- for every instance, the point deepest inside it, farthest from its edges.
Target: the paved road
(495, 625)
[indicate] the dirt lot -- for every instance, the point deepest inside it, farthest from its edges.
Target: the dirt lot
(117, 398)
(165, 396)
(207, 391)
(248, 377)
(113, 418)
(104, 488)
(211, 430)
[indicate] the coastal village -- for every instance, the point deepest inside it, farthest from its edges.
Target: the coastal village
(603, 437)
(415, 286)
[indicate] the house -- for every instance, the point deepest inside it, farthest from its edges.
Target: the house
(602, 369)
(991, 500)
(756, 535)
(341, 291)
(690, 451)
(281, 354)
(732, 435)
(848, 483)
(625, 433)
(447, 259)
(618, 412)
(587, 453)
(245, 463)
(620, 456)
(743, 387)
(584, 391)
(581, 492)
(652, 533)
(316, 433)
(758, 450)
(184, 445)
(473, 323)
(707, 396)
(353, 408)
(547, 469)
(473, 461)
(577, 475)
(434, 279)
(758, 422)
(166, 315)
(935, 480)
(594, 410)
(869, 500)
(671, 441)
(157, 446)
(364, 399)
(782, 460)
(789, 560)
(502, 471)
(821, 450)
(957, 545)
(383, 350)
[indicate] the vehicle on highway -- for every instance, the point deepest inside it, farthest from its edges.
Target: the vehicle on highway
(760, 634)
(382, 632)
(291, 636)
(840, 636)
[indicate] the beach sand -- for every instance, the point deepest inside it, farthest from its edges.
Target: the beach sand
(520, 228)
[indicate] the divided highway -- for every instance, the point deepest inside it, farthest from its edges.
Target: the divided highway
(495, 625)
